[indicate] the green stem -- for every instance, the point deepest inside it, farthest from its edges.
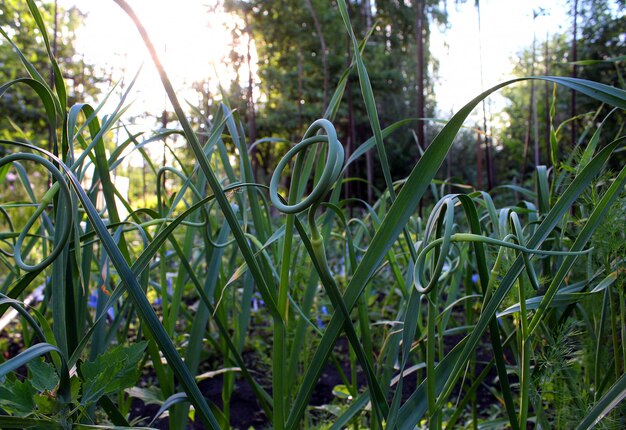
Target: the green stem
(525, 357)
(430, 363)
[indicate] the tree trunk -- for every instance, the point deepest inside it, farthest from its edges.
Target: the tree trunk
(369, 156)
(320, 35)
(547, 102)
(479, 162)
(574, 72)
(349, 188)
(420, 30)
(164, 121)
(533, 103)
(252, 132)
(367, 14)
(300, 93)
(490, 175)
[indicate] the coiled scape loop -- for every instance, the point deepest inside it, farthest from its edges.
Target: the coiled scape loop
(328, 178)
(64, 204)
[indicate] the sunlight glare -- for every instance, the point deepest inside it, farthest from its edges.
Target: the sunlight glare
(194, 41)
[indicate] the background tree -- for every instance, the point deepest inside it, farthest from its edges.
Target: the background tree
(20, 104)
(302, 49)
(601, 52)
(22, 116)
(599, 45)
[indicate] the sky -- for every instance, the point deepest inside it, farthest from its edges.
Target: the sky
(507, 27)
(192, 46)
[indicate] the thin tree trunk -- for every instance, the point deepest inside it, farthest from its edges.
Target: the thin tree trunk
(449, 170)
(490, 175)
(536, 133)
(420, 26)
(300, 90)
(420, 18)
(527, 137)
(351, 127)
(164, 125)
(367, 14)
(533, 101)
(574, 72)
(479, 162)
(547, 102)
(369, 164)
(252, 132)
(532, 111)
(320, 34)
(490, 179)
(369, 156)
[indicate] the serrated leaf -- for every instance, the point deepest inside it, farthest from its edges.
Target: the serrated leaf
(17, 397)
(111, 372)
(47, 403)
(43, 377)
(75, 385)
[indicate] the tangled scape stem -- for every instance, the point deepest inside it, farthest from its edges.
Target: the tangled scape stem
(64, 203)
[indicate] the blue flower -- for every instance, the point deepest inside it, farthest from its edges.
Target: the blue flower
(320, 323)
(257, 302)
(475, 278)
(93, 303)
(38, 293)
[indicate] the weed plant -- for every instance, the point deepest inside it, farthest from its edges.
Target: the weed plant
(271, 283)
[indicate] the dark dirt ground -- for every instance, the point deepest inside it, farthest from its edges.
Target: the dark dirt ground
(247, 413)
(245, 410)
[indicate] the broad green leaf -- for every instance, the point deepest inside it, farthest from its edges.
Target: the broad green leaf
(42, 375)
(111, 372)
(47, 404)
(17, 396)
